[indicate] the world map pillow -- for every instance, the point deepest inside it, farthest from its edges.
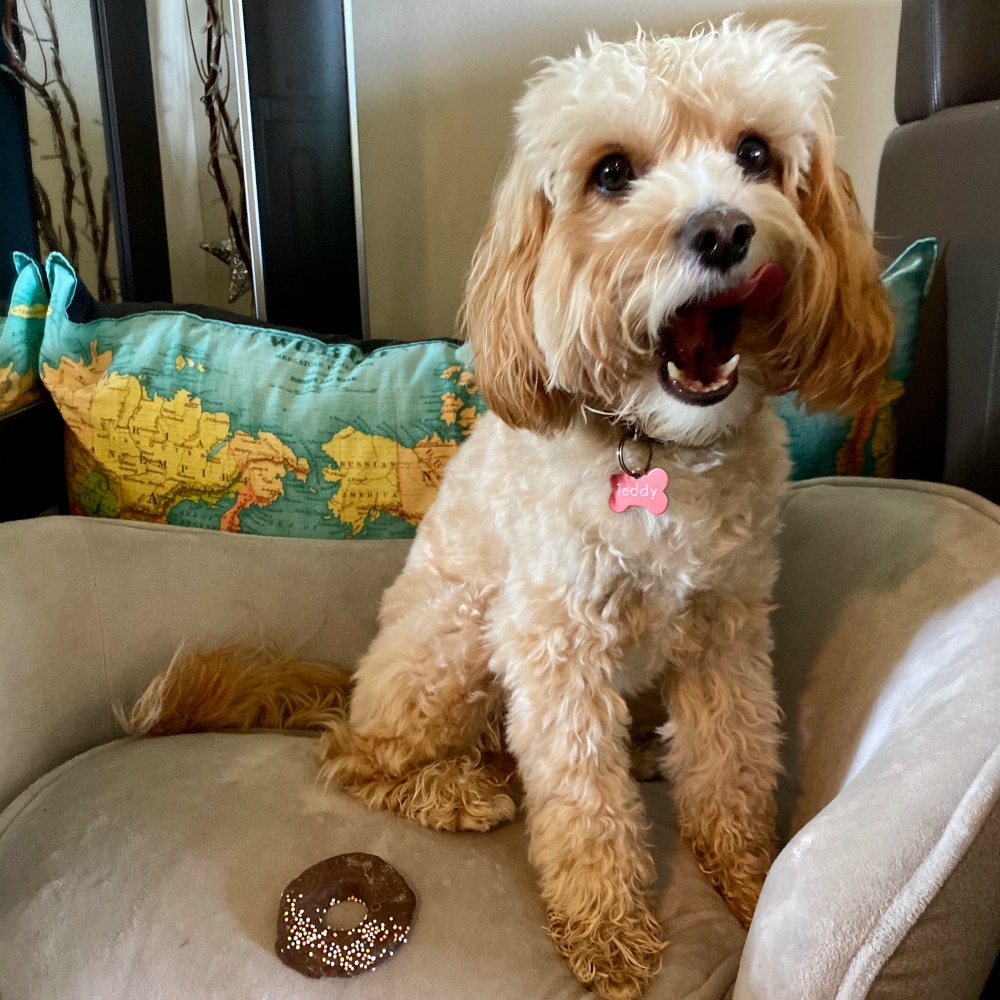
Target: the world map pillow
(21, 336)
(172, 417)
(828, 444)
(188, 419)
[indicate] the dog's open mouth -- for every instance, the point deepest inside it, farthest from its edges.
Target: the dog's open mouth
(699, 365)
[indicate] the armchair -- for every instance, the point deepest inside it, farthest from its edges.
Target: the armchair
(154, 867)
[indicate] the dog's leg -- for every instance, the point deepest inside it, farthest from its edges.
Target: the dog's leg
(567, 725)
(723, 753)
(423, 739)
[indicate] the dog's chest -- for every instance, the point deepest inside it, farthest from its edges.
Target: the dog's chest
(547, 503)
(709, 512)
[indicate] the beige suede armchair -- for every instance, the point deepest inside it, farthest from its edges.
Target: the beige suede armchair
(154, 867)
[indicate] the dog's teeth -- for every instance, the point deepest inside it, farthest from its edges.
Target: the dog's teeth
(674, 372)
(729, 367)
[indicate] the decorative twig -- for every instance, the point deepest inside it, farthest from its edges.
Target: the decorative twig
(105, 233)
(223, 132)
(47, 90)
(231, 138)
(13, 39)
(43, 212)
(94, 235)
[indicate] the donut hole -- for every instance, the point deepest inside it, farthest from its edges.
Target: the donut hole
(346, 915)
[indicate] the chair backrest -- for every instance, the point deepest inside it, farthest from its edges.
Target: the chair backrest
(940, 176)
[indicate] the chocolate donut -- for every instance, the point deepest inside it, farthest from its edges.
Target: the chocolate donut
(308, 945)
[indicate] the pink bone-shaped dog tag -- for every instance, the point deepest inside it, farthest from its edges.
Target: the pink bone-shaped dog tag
(649, 491)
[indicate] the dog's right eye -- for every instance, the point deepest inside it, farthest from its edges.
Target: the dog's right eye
(613, 174)
(753, 155)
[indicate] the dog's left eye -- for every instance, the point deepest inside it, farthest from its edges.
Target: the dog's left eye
(754, 155)
(613, 174)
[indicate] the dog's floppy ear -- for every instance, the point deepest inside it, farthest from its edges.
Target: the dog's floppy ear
(840, 331)
(498, 312)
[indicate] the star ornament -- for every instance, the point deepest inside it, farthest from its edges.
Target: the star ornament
(239, 277)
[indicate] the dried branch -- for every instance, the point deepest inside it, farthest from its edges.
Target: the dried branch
(43, 213)
(47, 90)
(223, 132)
(91, 224)
(13, 39)
(106, 289)
(20, 33)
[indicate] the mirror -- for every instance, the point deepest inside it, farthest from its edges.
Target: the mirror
(196, 151)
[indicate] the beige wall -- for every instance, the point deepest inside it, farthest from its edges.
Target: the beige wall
(435, 81)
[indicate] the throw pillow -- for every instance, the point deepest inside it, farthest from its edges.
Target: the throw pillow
(178, 418)
(21, 336)
(196, 420)
(828, 444)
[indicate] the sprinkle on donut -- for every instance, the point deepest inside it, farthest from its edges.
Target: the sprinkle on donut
(309, 945)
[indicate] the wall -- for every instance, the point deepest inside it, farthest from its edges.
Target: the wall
(435, 81)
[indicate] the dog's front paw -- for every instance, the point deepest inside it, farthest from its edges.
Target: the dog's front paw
(614, 958)
(469, 792)
(738, 877)
(741, 892)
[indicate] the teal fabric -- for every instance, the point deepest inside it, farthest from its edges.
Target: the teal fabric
(827, 444)
(21, 336)
(179, 419)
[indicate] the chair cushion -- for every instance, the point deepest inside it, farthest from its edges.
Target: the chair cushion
(827, 444)
(887, 655)
(154, 868)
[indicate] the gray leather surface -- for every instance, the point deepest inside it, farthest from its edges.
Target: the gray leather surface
(941, 177)
(947, 56)
(972, 448)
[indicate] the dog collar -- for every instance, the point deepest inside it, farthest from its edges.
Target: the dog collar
(632, 434)
(635, 486)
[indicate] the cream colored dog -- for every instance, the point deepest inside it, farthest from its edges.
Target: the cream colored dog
(671, 245)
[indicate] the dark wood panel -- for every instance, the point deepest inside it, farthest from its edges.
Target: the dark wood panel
(121, 37)
(17, 228)
(300, 111)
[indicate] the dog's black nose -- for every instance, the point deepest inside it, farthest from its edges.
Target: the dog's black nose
(720, 236)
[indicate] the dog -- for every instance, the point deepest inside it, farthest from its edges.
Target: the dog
(671, 244)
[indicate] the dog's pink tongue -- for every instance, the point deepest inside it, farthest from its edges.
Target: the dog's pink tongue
(759, 290)
(704, 332)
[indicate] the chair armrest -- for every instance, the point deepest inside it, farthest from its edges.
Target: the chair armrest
(923, 787)
(887, 659)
